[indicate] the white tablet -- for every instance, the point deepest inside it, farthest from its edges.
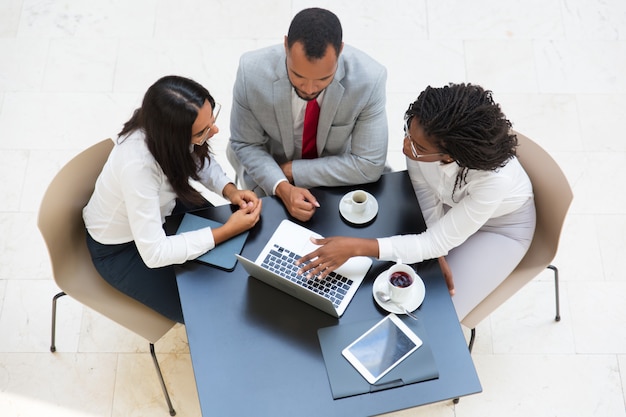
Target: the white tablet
(381, 348)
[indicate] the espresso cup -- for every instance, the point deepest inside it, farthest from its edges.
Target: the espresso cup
(400, 281)
(358, 201)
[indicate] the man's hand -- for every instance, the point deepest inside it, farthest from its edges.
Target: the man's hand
(299, 201)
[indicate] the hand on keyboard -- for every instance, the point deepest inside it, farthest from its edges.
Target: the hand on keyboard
(281, 261)
(333, 253)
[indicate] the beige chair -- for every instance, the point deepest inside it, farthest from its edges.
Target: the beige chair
(61, 224)
(553, 197)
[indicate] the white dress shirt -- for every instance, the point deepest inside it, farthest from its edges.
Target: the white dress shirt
(451, 220)
(133, 196)
(298, 110)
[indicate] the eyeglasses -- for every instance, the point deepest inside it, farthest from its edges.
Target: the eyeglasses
(207, 131)
(413, 150)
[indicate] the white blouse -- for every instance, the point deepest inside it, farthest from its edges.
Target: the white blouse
(450, 221)
(133, 196)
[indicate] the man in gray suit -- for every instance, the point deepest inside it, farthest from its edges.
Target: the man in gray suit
(273, 89)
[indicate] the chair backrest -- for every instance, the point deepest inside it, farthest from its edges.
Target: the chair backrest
(553, 196)
(61, 224)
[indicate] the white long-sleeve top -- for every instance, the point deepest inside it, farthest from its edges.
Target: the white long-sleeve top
(484, 195)
(133, 196)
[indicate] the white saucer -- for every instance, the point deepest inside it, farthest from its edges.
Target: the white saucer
(412, 303)
(358, 218)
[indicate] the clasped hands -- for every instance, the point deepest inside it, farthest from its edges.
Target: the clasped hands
(243, 219)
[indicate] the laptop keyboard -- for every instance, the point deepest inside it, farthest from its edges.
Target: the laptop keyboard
(281, 261)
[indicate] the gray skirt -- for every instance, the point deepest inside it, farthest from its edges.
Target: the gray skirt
(487, 257)
(519, 225)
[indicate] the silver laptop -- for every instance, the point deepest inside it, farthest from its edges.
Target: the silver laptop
(275, 266)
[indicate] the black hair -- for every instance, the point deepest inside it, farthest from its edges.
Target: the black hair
(167, 113)
(315, 28)
(463, 121)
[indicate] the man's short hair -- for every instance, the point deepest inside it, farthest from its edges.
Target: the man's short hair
(315, 28)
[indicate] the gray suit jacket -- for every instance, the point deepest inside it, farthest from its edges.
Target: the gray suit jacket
(352, 131)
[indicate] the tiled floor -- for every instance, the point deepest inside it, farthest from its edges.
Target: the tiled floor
(71, 72)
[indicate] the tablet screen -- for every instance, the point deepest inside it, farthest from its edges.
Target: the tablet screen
(381, 348)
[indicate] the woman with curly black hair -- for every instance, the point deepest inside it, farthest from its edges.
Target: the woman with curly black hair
(475, 196)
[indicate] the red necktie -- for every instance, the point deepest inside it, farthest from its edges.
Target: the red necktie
(309, 133)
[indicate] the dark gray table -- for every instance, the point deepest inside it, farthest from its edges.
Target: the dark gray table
(255, 350)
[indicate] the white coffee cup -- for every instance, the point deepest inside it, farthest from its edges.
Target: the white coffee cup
(400, 281)
(357, 200)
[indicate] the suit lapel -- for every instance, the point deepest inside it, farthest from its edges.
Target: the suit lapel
(328, 109)
(282, 108)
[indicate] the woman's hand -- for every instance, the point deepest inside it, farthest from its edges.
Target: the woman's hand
(241, 198)
(240, 221)
(447, 273)
(334, 252)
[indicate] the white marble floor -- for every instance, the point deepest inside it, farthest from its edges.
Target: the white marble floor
(71, 72)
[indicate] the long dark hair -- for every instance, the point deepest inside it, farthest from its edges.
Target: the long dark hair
(463, 121)
(167, 113)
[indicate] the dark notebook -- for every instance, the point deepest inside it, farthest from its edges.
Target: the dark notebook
(221, 256)
(346, 381)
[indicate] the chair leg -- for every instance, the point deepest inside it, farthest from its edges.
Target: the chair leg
(472, 339)
(158, 369)
(152, 352)
(556, 318)
(556, 291)
(53, 347)
(470, 346)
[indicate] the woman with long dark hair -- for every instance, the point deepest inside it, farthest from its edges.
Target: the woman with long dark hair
(161, 155)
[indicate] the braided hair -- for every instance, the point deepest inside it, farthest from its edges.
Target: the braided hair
(463, 121)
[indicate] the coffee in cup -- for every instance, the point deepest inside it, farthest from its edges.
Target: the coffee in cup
(400, 280)
(358, 201)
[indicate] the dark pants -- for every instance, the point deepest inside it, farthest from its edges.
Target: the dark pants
(122, 267)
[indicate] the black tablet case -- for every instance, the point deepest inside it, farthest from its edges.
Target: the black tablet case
(346, 381)
(221, 256)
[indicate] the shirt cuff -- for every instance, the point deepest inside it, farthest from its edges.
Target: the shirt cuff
(198, 242)
(221, 183)
(385, 249)
(276, 185)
